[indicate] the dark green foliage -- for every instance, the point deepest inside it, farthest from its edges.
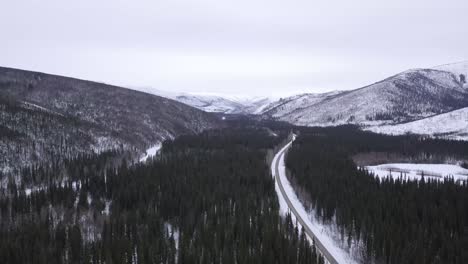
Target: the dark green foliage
(44, 116)
(206, 199)
(398, 221)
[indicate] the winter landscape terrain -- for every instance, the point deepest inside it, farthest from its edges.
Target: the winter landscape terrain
(316, 232)
(234, 132)
(45, 117)
(453, 124)
(417, 171)
(220, 103)
(95, 145)
(419, 101)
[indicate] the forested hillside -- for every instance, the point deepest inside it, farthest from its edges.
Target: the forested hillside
(30, 136)
(206, 198)
(46, 117)
(397, 221)
(407, 96)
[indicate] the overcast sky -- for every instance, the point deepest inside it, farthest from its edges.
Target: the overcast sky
(242, 47)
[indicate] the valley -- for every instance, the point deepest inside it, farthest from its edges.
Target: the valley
(234, 132)
(108, 174)
(429, 101)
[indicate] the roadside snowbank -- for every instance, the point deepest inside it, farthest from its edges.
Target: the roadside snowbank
(322, 232)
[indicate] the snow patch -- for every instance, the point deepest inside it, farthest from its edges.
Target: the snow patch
(451, 125)
(151, 152)
(455, 68)
(174, 232)
(414, 171)
(107, 206)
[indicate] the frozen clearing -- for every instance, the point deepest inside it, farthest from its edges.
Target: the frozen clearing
(414, 171)
(318, 231)
(452, 125)
(151, 152)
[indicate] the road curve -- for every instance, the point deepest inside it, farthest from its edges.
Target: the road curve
(320, 247)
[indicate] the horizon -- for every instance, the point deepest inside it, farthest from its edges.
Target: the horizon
(228, 96)
(244, 48)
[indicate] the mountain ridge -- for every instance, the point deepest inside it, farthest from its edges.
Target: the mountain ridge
(89, 117)
(451, 125)
(406, 96)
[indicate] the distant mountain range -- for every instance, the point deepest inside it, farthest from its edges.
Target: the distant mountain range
(218, 103)
(405, 97)
(45, 116)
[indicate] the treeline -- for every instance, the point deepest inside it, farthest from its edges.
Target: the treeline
(354, 141)
(208, 198)
(396, 221)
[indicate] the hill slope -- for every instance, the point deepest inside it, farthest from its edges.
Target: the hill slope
(407, 96)
(458, 69)
(62, 114)
(211, 103)
(452, 125)
(224, 104)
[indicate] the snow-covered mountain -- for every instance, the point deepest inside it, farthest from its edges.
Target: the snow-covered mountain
(408, 96)
(456, 68)
(459, 69)
(256, 105)
(211, 103)
(46, 116)
(220, 104)
(452, 125)
(285, 106)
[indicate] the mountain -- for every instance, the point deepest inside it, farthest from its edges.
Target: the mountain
(46, 116)
(458, 69)
(294, 103)
(226, 105)
(219, 104)
(408, 96)
(210, 103)
(257, 105)
(452, 125)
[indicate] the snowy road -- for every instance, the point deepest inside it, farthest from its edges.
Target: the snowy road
(289, 202)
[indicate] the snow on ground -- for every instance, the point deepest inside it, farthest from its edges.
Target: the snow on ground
(321, 231)
(455, 68)
(171, 230)
(106, 210)
(220, 103)
(104, 143)
(151, 152)
(413, 171)
(452, 125)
